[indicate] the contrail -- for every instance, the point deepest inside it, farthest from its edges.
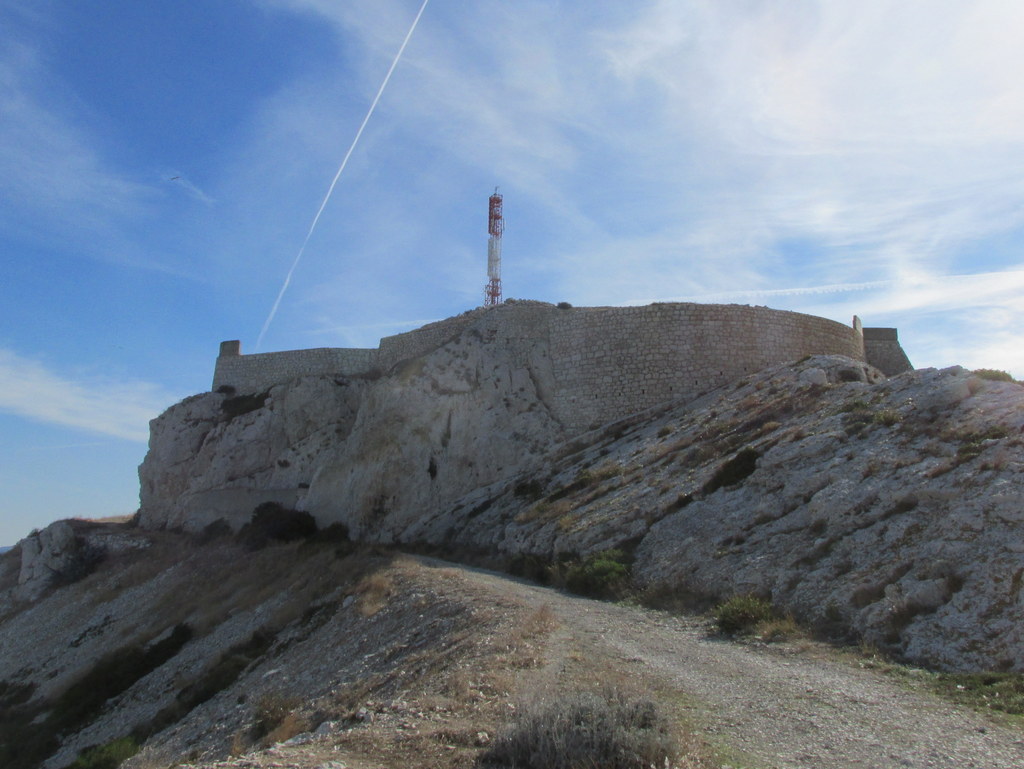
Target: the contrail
(344, 162)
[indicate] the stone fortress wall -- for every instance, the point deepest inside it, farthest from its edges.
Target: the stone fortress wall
(261, 371)
(595, 364)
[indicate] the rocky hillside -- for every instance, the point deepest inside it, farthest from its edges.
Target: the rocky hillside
(874, 509)
(215, 653)
(885, 510)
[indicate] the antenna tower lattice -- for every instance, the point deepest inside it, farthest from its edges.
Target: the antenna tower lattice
(495, 226)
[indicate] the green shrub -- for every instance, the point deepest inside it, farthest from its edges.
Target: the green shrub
(741, 614)
(108, 756)
(857, 404)
(974, 443)
(532, 567)
(14, 694)
(214, 530)
(602, 575)
(887, 417)
(532, 489)
(611, 731)
(992, 691)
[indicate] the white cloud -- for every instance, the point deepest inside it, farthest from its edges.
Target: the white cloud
(55, 183)
(679, 148)
(893, 125)
(121, 409)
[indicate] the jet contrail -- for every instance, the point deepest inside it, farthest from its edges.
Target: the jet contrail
(344, 162)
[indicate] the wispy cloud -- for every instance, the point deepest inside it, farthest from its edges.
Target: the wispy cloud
(677, 148)
(892, 126)
(120, 409)
(50, 174)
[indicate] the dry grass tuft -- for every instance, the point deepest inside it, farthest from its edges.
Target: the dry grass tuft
(542, 621)
(608, 730)
(374, 591)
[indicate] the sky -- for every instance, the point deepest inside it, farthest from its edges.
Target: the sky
(161, 163)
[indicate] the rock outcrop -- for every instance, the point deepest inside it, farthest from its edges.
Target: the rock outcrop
(64, 552)
(882, 509)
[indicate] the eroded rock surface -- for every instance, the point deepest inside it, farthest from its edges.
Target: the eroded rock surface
(882, 509)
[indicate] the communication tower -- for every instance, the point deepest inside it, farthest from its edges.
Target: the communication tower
(495, 226)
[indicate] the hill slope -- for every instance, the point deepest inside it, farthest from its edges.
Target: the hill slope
(881, 509)
(370, 660)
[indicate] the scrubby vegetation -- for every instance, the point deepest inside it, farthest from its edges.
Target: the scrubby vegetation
(606, 574)
(993, 375)
(742, 614)
(29, 730)
(112, 675)
(601, 575)
(108, 756)
(609, 730)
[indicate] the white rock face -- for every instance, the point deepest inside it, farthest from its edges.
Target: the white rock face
(64, 552)
(372, 455)
(45, 556)
(442, 427)
(886, 510)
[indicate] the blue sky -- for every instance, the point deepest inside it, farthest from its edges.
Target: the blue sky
(161, 162)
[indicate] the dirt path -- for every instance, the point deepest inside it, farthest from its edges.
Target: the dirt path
(776, 706)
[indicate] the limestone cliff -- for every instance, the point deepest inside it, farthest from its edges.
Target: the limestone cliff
(373, 454)
(882, 509)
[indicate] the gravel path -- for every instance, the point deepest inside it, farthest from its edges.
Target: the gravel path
(776, 706)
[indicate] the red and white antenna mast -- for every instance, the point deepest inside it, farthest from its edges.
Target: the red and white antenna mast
(495, 226)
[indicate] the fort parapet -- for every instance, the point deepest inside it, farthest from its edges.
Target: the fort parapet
(595, 364)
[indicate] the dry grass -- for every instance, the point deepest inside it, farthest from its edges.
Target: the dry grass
(780, 629)
(541, 620)
(374, 592)
(610, 730)
(545, 511)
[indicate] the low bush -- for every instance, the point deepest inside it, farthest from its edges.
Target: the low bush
(609, 730)
(988, 690)
(993, 375)
(532, 489)
(601, 575)
(108, 756)
(272, 710)
(887, 417)
(215, 530)
(12, 694)
(219, 676)
(741, 614)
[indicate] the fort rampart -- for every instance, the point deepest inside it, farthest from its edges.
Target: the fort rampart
(591, 364)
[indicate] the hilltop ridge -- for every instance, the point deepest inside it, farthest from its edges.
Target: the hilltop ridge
(873, 509)
(881, 509)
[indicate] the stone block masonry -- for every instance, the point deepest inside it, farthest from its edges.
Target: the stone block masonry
(259, 372)
(593, 364)
(884, 352)
(613, 361)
